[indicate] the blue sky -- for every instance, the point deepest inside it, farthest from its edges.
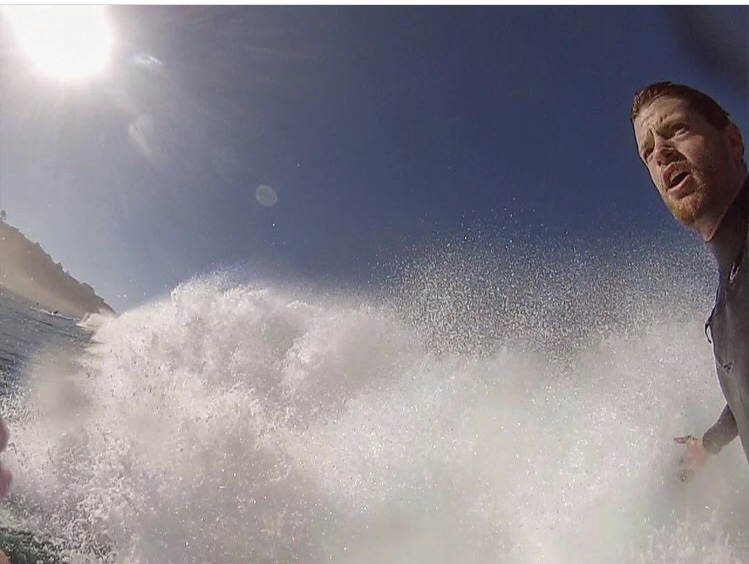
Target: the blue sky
(376, 128)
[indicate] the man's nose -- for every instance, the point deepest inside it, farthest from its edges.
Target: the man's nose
(664, 152)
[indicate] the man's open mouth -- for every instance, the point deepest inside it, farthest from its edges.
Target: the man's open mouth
(674, 178)
(678, 178)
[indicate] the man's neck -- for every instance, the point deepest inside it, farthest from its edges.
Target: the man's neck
(708, 226)
(731, 235)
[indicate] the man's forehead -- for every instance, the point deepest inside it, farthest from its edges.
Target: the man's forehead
(661, 109)
(657, 112)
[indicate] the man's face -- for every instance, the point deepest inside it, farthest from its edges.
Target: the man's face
(690, 161)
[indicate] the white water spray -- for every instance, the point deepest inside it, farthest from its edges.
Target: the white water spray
(249, 423)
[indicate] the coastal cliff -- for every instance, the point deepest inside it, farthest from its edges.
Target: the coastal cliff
(27, 271)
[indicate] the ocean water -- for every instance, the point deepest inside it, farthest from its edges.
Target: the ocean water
(482, 406)
(26, 331)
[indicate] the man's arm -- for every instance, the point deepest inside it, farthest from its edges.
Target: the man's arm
(722, 433)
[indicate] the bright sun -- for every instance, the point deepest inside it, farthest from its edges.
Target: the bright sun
(69, 43)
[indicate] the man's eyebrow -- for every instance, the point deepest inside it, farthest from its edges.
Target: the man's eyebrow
(669, 120)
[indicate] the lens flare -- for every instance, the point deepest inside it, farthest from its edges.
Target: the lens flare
(266, 196)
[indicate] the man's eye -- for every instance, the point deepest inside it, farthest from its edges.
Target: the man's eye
(646, 154)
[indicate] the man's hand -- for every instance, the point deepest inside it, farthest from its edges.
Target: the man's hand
(693, 459)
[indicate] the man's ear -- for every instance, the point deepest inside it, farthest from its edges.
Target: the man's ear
(736, 141)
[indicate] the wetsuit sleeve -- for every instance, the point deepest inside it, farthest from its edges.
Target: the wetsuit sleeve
(722, 433)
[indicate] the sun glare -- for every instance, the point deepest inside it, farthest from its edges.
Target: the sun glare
(69, 43)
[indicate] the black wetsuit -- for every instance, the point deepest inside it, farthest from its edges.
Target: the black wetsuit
(728, 325)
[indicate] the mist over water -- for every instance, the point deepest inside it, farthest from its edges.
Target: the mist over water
(489, 405)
